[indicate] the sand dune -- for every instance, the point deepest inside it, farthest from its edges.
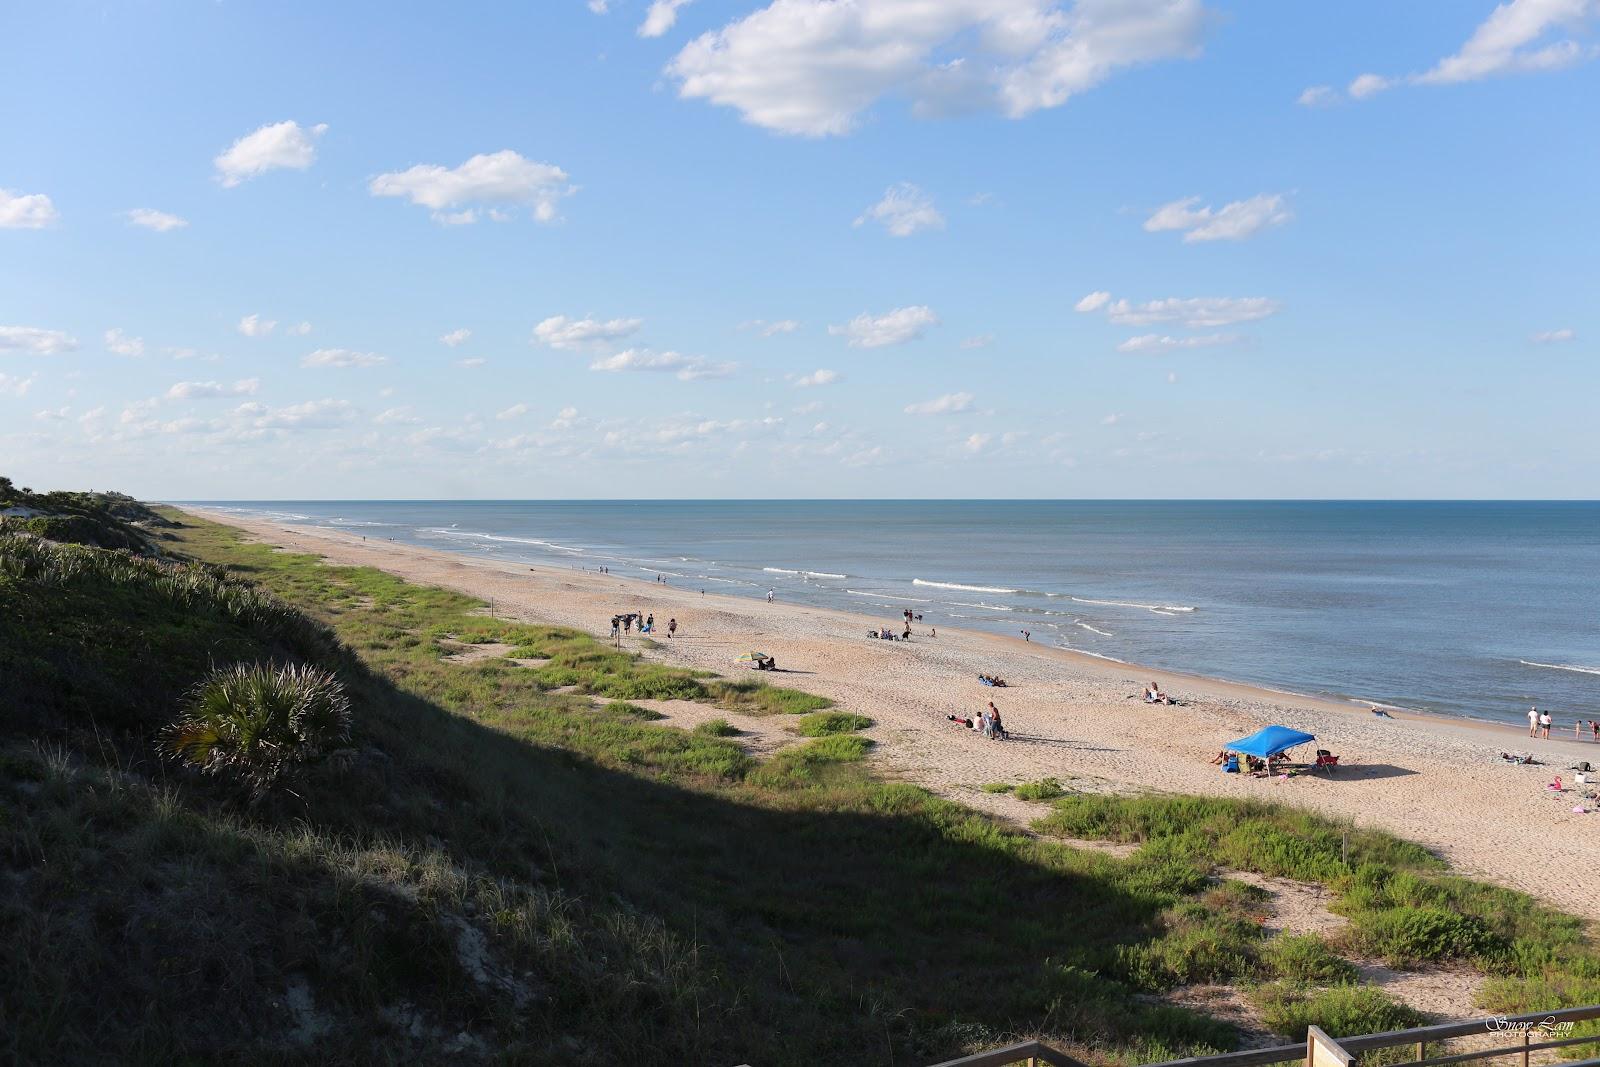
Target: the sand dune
(1433, 780)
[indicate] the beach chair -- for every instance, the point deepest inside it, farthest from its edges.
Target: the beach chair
(1230, 765)
(1325, 761)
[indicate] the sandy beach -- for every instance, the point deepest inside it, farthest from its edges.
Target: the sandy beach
(1433, 780)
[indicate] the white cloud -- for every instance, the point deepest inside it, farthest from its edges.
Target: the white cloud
(903, 211)
(661, 17)
(256, 326)
(211, 390)
(891, 328)
(456, 195)
(820, 376)
(1231, 222)
(515, 411)
(471, 364)
(52, 414)
(1551, 337)
(770, 329)
(16, 385)
(949, 404)
(119, 343)
(977, 442)
(342, 357)
(565, 419)
(685, 368)
(158, 221)
(810, 67)
(600, 7)
(1152, 342)
(31, 212)
(401, 416)
(1197, 312)
(322, 414)
(33, 340)
(456, 338)
(1518, 37)
(558, 331)
(1111, 420)
(1366, 85)
(1319, 96)
(299, 331)
(272, 147)
(982, 340)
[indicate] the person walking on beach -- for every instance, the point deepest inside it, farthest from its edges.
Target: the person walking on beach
(1026, 636)
(1544, 724)
(672, 627)
(1533, 722)
(769, 596)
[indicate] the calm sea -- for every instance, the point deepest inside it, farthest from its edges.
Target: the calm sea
(1476, 609)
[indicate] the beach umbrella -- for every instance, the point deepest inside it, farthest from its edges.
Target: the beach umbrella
(752, 657)
(1270, 741)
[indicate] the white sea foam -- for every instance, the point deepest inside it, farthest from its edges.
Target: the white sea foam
(1096, 655)
(824, 574)
(779, 570)
(1165, 609)
(1092, 630)
(886, 596)
(979, 604)
(963, 588)
(1576, 668)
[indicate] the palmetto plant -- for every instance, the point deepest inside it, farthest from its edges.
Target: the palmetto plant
(256, 723)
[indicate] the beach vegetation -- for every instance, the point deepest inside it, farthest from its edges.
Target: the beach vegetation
(823, 723)
(1341, 1010)
(1042, 789)
(1306, 959)
(998, 787)
(717, 728)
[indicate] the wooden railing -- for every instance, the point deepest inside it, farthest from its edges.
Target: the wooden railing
(1520, 1031)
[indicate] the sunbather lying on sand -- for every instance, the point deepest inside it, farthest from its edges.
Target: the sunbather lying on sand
(1154, 695)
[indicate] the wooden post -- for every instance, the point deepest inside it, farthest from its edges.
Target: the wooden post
(1324, 1051)
(1525, 1040)
(1420, 1056)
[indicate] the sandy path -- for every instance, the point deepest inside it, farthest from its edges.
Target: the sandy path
(1435, 781)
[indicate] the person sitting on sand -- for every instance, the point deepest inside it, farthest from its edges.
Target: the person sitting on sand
(1556, 785)
(1154, 695)
(1220, 758)
(964, 722)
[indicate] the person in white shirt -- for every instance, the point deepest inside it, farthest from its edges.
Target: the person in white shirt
(1533, 722)
(1544, 724)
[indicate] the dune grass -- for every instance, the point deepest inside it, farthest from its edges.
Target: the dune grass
(823, 723)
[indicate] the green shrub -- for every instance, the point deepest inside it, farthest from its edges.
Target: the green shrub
(1341, 1010)
(256, 723)
(717, 728)
(807, 764)
(754, 697)
(1043, 789)
(1404, 937)
(823, 723)
(1306, 958)
(997, 787)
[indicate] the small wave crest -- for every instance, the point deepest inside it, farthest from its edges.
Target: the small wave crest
(779, 570)
(1576, 668)
(963, 588)
(824, 574)
(1165, 609)
(1092, 630)
(886, 596)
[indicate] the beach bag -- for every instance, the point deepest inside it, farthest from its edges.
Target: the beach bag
(1231, 766)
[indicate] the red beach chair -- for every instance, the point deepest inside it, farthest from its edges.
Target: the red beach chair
(1326, 760)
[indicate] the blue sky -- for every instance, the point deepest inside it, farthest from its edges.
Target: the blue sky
(1153, 248)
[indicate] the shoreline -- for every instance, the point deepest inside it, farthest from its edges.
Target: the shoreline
(1431, 778)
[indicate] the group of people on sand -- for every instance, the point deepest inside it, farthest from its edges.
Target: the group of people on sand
(992, 680)
(622, 625)
(988, 723)
(1539, 723)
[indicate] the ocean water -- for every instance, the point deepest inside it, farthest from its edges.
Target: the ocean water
(1468, 608)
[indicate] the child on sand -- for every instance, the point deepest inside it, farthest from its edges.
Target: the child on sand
(672, 627)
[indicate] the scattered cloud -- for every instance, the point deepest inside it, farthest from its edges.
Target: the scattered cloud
(770, 329)
(401, 416)
(600, 7)
(559, 331)
(456, 338)
(820, 376)
(1197, 312)
(325, 414)
(977, 442)
(159, 221)
(120, 344)
(299, 331)
(565, 419)
(904, 210)
(515, 411)
(256, 326)
(280, 145)
(1158, 343)
(1231, 222)
(16, 385)
(31, 212)
(661, 17)
(471, 364)
(891, 328)
(684, 368)
(982, 340)
(1319, 96)
(1518, 37)
(34, 341)
(458, 195)
(949, 404)
(1553, 337)
(212, 390)
(342, 357)
(52, 414)
(1112, 420)
(811, 67)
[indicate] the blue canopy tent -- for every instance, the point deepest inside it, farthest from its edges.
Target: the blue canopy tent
(1271, 741)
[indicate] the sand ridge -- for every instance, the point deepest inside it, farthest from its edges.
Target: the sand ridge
(1433, 780)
